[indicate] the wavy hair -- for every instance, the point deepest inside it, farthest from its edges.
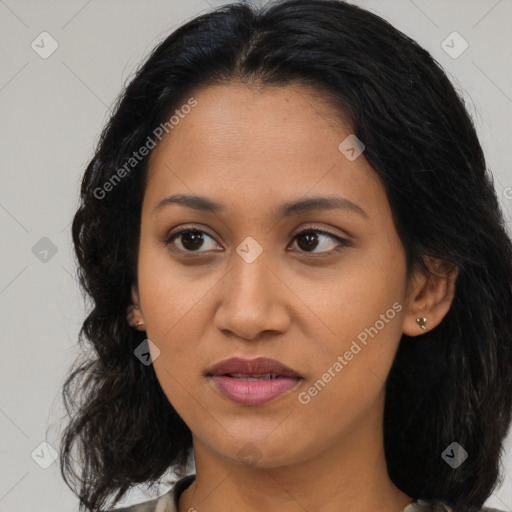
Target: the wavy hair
(452, 383)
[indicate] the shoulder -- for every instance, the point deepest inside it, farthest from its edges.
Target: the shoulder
(161, 504)
(425, 505)
(168, 502)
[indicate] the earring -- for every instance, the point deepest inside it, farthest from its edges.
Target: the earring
(130, 317)
(422, 322)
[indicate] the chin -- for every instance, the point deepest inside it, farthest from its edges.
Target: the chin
(263, 454)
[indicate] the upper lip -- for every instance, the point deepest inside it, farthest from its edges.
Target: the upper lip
(258, 366)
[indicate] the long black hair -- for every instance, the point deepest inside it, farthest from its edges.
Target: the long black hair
(451, 384)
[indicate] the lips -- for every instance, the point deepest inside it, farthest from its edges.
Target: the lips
(259, 368)
(253, 382)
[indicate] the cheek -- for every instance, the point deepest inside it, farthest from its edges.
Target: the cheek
(175, 327)
(351, 374)
(366, 294)
(169, 302)
(363, 310)
(170, 295)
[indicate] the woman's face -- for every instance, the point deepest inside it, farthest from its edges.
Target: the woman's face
(330, 310)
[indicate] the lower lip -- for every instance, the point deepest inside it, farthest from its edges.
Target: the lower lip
(253, 392)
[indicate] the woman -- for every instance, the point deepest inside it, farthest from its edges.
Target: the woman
(299, 273)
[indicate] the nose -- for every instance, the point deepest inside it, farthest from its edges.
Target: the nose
(253, 300)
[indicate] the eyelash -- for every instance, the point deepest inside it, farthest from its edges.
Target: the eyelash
(312, 229)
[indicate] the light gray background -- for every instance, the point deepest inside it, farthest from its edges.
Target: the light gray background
(52, 111)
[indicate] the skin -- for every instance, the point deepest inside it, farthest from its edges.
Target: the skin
(252, 149)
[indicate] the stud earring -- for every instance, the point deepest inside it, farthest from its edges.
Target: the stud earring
(422, 322)
(131, 316)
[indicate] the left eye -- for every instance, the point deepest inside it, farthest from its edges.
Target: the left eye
(312, 235)
(193, 239)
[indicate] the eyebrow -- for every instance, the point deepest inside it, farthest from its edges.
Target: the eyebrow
(204, 204)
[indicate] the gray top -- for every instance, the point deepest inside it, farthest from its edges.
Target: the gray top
(168, 502)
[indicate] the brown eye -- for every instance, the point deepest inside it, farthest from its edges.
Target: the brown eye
(309, 239)
(191, 240)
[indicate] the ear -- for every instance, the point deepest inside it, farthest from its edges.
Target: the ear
(430, 296)
(135, 294)
(134, 313)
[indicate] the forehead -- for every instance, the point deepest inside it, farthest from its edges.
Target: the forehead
(252, 143)
(242, 118)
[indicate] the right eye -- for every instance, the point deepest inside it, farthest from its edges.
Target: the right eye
(190, 239)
